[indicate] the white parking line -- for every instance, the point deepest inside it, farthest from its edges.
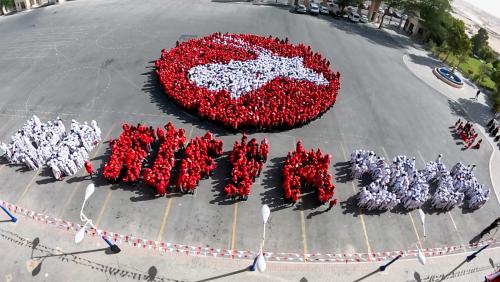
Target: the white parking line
(421, 157)
(385, 153)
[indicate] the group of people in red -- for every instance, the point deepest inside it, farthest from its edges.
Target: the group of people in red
(128, 153)
(198, 161)
(306, 170)
(468, 134)
(247, 160)
(171, 141)
(280, 103)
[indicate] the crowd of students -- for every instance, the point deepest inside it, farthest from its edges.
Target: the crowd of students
(301, 86)
(247, 160)
(403, 183)
(307, 170)
(159, 175)
(468, 134)
(376, 196)
(38, 143)
(198, 161)
(128, 153)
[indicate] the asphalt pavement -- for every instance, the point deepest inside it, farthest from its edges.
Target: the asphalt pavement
(93, 59)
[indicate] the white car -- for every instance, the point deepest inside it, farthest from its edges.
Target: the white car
(363, 19)
(354, 17)
(313, 8)
(324, 10)
(300, 9)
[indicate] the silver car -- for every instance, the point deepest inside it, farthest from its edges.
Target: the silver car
(313, 8)
(300, 9)
(324, 10)
(354, 17)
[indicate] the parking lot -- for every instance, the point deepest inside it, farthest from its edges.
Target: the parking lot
(94, 60)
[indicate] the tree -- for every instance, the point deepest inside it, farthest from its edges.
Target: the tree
(343, 3)
(484, 70)
(479, 41)
(436, 18)
(496, 94)
(487, 54)
(391, 4)
(496, 64)
(7, 4)
(458, 42)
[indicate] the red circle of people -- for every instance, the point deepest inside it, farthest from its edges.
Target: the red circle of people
(280, 103)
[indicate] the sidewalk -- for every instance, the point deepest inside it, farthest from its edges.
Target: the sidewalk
(421, 63)
(40, 252)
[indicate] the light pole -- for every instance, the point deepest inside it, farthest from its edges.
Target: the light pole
(259, 262)
(12, 218)
(81, 233)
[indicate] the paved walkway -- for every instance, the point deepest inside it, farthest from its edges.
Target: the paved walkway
(421, 63)
(39, 252)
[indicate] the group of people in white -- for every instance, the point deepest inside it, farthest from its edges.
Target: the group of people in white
(240, 77)
(402, 183)
(38, 143)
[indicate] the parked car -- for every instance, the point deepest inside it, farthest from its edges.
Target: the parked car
(363, 19)
(354, 17)
(313, 8)
(300, 9)
(324, 10)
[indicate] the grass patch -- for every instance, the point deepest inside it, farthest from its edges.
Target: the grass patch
(471, 68)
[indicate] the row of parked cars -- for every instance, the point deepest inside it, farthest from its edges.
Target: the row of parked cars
(331, 9)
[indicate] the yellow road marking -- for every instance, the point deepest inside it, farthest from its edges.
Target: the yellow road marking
(363, 225)
(164, 220)
(415, 229)
(68, 200)
(303, 228)
(233, 232)
(103, 208)
(27, 187)
(361, 218)
(169, 204)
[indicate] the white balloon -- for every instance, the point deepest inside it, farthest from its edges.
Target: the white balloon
(265, 213)
(422, 215)
(261, 263)
(421, 257)
(89, 191)
(79, 235)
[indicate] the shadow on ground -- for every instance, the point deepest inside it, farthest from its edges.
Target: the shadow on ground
(158, 97)
(221, 178)
(273, 193)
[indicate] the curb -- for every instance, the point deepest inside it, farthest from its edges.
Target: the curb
(180, 249)
(480, 127)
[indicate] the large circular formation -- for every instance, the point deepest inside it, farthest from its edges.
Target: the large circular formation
(248, 81)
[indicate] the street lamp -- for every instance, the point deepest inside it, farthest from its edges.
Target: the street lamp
(421, 257)
(259, 262)
(12, 218)
(81, 233)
